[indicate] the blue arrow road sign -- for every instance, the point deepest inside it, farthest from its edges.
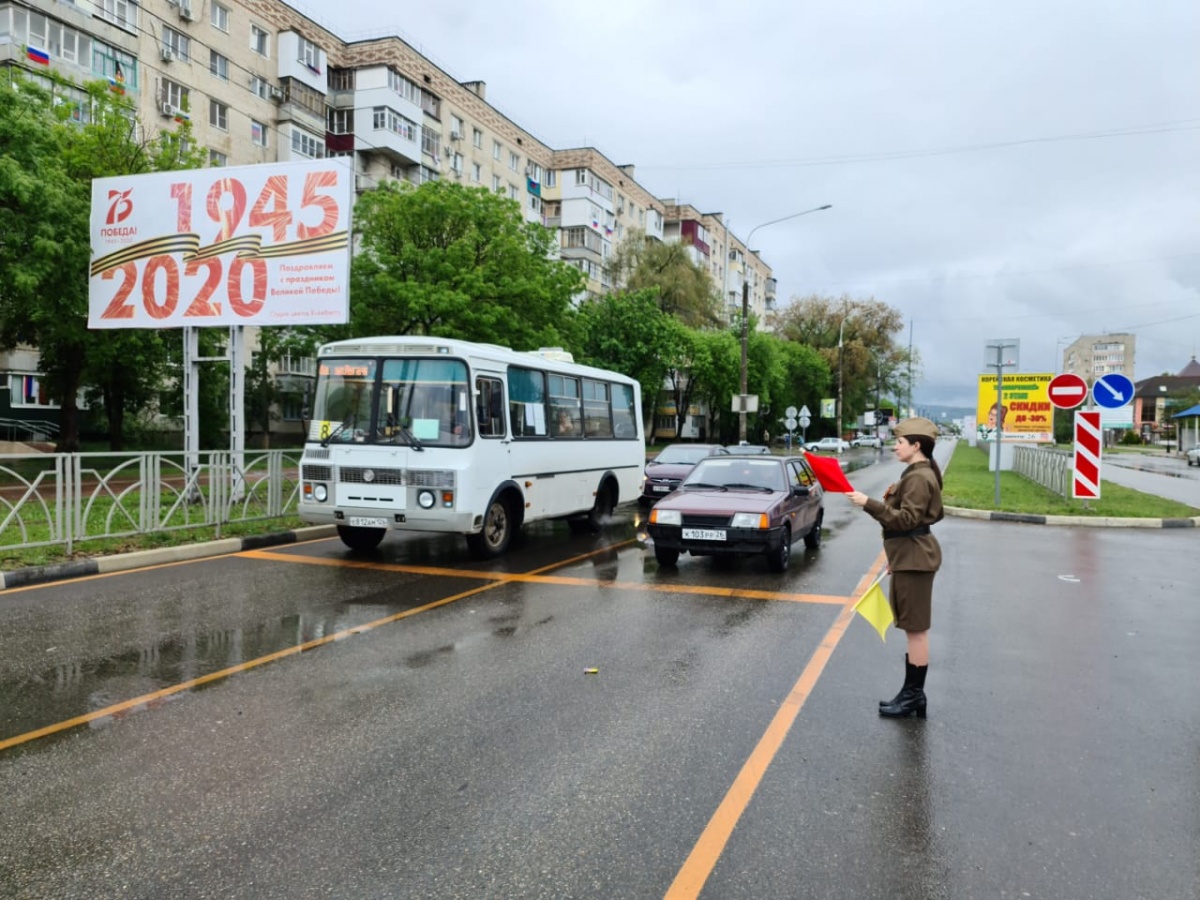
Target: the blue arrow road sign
(1112, 391)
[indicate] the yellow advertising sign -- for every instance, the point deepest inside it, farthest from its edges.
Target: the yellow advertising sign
(1025, 412)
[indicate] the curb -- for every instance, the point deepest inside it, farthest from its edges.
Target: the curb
(102, 565)
(1087, 521)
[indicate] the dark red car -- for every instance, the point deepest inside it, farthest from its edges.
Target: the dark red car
(666, 471)
(740, 505)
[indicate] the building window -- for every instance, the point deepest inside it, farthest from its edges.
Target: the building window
(495, 184)
(428, 174)
(476, 172)
(341, 121)
(342, 79)
(259, 41)
(218, 65)
(431, 104)
(431, 143)
(551, 178)
(260, 88)
(120, 12)
(218, 115)
(535, 203)
(220, 17)
(513, 192)
(175, 94)
(216, 159)
(304, 144)
(177, 42)
(496, 150)
(28, 390)
(477, 138)
(386, 119)
(456, 128)
(119, 67)
(258, 133)
(514, 161)
(405, 88)
(310, 55)
(302, 95)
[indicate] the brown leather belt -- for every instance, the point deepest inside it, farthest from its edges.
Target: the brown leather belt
(913, 532)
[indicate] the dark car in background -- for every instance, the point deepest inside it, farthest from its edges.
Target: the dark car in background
(666, 471)
(740, 506)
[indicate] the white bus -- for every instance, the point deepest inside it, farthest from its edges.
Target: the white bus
(433, 434)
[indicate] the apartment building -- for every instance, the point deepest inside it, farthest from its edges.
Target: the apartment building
(260, 82)
(1093, 355)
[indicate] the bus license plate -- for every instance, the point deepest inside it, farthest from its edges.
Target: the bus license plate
(703, 534)
(367, 522)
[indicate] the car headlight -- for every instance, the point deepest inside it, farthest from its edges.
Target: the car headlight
(320, 493)
(748, 520)
(426, 499)
(666, 517)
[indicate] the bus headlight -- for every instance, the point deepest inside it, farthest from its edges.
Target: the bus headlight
(426, 499)
(320, 493)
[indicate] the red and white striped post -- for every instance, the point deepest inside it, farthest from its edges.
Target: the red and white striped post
(1085, 484)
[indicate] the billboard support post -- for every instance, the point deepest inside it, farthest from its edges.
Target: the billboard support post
(999, 346)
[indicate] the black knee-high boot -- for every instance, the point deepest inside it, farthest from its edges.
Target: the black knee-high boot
(911, 699)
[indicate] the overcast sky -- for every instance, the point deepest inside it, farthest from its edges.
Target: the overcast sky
(1021, 169)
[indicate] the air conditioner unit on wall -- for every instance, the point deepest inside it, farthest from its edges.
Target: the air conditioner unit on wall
(167, 109)
(276, 93)
(456, 135)
(166, 54)
(185, 11)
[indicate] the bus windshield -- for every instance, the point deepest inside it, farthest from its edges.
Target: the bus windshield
(393, 401)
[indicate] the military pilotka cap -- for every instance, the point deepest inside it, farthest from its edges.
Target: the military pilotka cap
(916, 426)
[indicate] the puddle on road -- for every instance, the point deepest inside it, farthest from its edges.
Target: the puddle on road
(75, 688)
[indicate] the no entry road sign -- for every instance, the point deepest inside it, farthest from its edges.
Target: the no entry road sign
(1067, 390)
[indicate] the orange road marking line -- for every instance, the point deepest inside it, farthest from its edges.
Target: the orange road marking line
(147, 699)
(564, 580)
(698, 866)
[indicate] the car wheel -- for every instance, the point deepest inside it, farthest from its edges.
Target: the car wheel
(496, 534)
(778, 559)
(666, 556)
(812, 540)
(360, 538)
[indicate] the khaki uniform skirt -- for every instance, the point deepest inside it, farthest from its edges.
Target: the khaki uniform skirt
(911, 597)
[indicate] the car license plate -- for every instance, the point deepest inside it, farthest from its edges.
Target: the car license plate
(703, 534)
(367, 522)
(662, 488)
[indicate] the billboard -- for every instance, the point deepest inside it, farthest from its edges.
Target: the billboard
(1025, 412)
(248, 245)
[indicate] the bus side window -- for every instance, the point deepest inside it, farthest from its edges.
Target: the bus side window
(489, 406)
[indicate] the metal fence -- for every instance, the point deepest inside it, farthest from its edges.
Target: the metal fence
(1050, 468)
(71, 498)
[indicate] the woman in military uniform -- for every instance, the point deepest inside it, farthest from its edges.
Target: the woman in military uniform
(908, 509)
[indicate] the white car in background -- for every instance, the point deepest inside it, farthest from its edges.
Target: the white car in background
(1193, 456)
(831, 444)
(867, 440)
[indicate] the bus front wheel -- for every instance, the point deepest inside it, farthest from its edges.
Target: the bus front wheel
(497, 532)
(360, 538)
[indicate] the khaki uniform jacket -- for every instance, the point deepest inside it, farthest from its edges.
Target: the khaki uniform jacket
(916, 499)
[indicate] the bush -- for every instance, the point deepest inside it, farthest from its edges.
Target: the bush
(1130, 439)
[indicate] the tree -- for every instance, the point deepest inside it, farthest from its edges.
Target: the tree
(869, 350)
(684, 288)
(628, 333)
(450, 260)
(263, 393)
(55, 142)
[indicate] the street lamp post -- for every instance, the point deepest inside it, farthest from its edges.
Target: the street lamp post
(746, 312)
(841, 367)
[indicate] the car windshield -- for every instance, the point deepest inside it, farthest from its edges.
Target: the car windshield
(750, 474)
(682, 453)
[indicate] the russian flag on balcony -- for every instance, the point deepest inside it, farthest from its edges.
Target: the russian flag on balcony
(41, 57)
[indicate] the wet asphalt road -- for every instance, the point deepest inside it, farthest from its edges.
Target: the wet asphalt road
(727, 747)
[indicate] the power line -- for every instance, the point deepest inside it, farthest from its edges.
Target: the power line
(883, 156)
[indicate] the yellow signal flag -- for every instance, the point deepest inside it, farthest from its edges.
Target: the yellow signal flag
(874, 607)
